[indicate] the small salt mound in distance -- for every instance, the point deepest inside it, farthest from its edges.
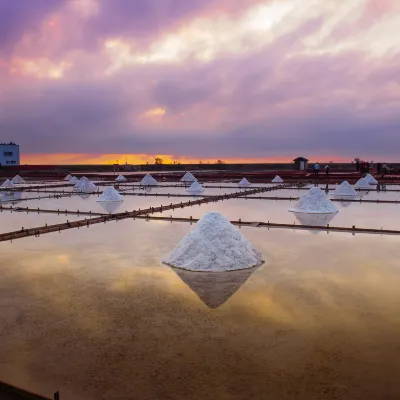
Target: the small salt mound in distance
(195, 187)
(68, 177)
(17, 179)
(371, 179)
(74, 179)
(84, 179)
(344, 190)
(110, 194)
(277, 179)
(314, 202)
(362, 184)
(188, 177)
(214, 245)
(7, 184)
(120, 178)
(148, 180)
(244, 183)
(85, 186)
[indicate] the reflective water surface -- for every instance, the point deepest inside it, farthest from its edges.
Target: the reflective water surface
(95, 314)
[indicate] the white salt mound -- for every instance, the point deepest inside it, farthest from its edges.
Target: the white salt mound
(7, 184)
(314, 201)
(371, 179)
(244, 183)
(344, 190)
(277, 179)
(85, 186)
(195, 187)
(362, 184)
(74, 179)
(110, 194)
(148, 180)
(214, 244)
(120, 178)
(68, 177)
(84, 179)
(17, 179)
(188, 177)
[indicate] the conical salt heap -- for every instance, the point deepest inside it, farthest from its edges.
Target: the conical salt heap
(195, 187)
(371, 179)
(17, 179)
(110, 194)
(7, 184)
(244, 183)
(120, 178)
(148, 180)
(85, 186)
(68, 177)
(74, 179)
(344, 190)
(277, 179)
(214, 245)
(362, 184)
(314, 202)
(84, 179)
(188, 177)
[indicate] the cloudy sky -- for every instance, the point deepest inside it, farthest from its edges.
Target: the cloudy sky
(100, 80)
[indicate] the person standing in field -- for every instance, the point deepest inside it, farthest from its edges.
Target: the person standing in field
(316, 168)
(327, 168)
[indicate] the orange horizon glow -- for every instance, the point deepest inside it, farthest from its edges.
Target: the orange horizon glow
(97, 159)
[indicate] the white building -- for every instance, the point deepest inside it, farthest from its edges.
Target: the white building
(9, 154)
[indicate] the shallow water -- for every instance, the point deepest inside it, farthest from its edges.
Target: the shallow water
(95, 314)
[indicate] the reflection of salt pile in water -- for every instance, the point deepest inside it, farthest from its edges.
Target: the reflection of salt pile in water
(74, 180)
(148, 180)
(362, 184)
(17, 179)
(195, 187)
(84, 196)
(244, 183)
(344, 190)
(371, 180)
(277, 179)
(314, 202)
(315, 219)
(7, 184)
(111, 206)
(11, 196)
(120, 178)
(215, 288)
(110, 194)
(85, 186)
(188, 177)
(68, 177)
(214, 244)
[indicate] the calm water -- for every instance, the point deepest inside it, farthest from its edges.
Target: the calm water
(95, 314)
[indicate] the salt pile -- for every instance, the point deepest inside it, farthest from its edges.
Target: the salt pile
(120, 178)
(17, 179)
(195, 187)
(244, 183)
(277, 179)
(214, 244)
(84, 179)
(7, 184)
(85, 186)
(362, 184)
(148, 180)
(188, 177)
(110, 194)
(371, 179)
(344, 190)
(68, 177)
(314, 202)
(74, 179)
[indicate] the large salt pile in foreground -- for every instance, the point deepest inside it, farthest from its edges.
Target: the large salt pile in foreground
(74, 179)
(344, 190)
(195, 187)
(214, 244)
(85, 186)
(371, 179)
(244, 183)
(188, 177)
(277, 179)
(110, 194)
(7, 184)
(17, 179)
(362, 184)
(120, 178)
(314, 202)
(148, 180)
(68, 177)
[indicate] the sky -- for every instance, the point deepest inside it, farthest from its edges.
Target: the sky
(96, 81)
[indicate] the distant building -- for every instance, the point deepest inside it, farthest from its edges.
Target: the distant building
(9, 154)
(301, 163)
